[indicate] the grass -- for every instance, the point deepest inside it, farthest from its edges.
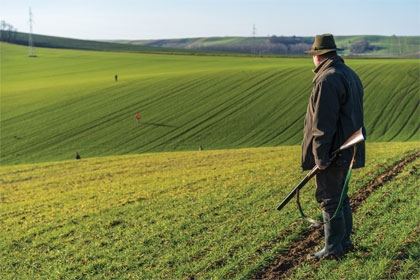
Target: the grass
(386, 235)
(208, 214)
(125, 211)
(68, 101)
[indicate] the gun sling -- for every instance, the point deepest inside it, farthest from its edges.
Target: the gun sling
(342, 197)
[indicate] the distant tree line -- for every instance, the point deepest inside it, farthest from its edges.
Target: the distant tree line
(287, 40)
(8, 32)
(283, 45)
(362, 47)
(274, 45)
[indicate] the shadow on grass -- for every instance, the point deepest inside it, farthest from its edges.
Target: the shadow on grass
(157, 124)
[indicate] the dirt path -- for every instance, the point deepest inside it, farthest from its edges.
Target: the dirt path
(299, 250)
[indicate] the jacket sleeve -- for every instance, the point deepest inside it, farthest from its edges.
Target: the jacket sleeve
(326, 105)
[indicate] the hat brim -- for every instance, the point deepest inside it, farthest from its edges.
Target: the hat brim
(321, 52)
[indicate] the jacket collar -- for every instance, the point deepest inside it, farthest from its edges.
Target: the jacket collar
(326, 64)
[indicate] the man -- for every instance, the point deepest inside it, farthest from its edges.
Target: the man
(335, 111)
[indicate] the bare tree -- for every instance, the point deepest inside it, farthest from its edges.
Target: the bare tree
(7, 32)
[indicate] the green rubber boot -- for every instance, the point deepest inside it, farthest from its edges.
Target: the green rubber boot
(333, 233)
(348, 220)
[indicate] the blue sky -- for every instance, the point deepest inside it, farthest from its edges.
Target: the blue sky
(165, 19)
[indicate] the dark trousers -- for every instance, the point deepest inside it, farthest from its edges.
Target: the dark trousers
(329, 185)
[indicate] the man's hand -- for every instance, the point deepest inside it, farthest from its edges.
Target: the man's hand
(322, 167)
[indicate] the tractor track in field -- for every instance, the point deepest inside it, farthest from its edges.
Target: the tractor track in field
(282, 267)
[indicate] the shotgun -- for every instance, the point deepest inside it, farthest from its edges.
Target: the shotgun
(354, 139)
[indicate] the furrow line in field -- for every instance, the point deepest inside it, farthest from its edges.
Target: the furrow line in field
(402, 105)
(403, 126)
(174, 134)
(297, 254)
(213, 115)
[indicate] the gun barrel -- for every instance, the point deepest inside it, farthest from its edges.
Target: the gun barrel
(305, 180)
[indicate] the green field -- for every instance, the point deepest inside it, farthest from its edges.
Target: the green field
(65, 101)
(201, 215)
(144, 203)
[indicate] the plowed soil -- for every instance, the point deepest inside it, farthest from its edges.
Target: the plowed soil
(312, 238)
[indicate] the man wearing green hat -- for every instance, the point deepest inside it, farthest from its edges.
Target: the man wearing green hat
(334, 112)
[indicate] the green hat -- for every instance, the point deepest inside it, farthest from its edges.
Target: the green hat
(323, 44)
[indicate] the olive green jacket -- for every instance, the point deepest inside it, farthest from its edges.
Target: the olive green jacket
(335, 112)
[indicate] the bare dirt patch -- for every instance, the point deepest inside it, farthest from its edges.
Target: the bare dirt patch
(297, 254)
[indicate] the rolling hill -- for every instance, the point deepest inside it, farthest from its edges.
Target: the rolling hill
(192, 215)
(64, 101)
(45, 41)
(365, 46)
(356, 45)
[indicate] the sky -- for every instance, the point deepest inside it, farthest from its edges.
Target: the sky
(170, 19)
